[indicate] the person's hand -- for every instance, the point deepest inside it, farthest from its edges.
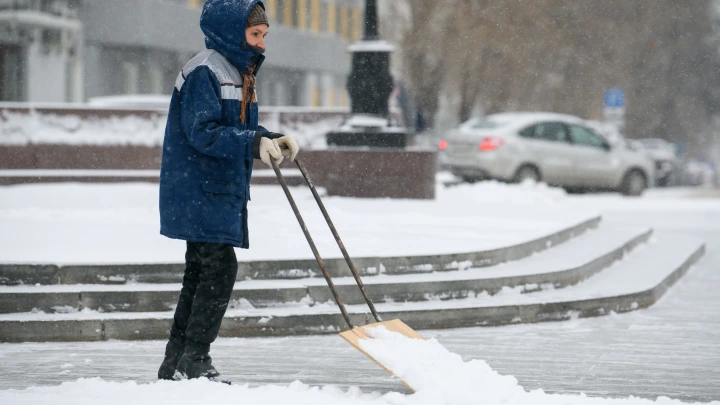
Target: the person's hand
(269, 149)
(288, 147)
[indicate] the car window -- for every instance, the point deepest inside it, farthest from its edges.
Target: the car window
(583, 136)
(528, 132)
(489, 124)
(546, 131)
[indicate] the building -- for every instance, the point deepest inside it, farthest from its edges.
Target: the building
(74, 50)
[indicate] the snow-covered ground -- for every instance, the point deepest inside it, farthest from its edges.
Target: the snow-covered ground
(119, 223)
(675, 342)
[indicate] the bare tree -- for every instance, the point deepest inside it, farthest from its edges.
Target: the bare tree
(561, 55)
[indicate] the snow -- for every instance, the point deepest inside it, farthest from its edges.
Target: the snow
(372, 123)
(48, 128)
(78, 173)
(72, 223)
(118, 173)
(142, 101)
(641, 270)
(23, 129)
(372, 46)
(517, 120)
(570, 255)
(439, 377)
(443, 377)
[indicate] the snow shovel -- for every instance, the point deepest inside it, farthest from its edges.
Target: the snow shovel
(354, 334)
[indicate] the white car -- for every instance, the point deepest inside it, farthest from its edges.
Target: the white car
(557, 149)
(667, 165)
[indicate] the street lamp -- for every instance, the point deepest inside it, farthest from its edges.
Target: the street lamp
(369, 86)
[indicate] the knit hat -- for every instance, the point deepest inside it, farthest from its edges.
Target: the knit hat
(257, 17)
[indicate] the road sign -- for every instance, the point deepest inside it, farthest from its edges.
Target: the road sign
(614, 98)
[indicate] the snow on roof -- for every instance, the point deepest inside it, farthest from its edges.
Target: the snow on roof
(519, 120)
(530, 117)
(135, 100)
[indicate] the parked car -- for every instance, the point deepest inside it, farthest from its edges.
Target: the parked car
(557, 149)
(699, 173)
(667, 164)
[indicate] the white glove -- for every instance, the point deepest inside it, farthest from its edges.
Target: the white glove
(269, 149)
(288, 147)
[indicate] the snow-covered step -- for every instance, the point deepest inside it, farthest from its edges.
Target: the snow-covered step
(558, 267)
(549, 233)
(27, 176)
(634, 283)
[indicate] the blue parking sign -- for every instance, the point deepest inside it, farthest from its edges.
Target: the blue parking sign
(614, 98)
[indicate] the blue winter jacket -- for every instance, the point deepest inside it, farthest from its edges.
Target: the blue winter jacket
(207, 152)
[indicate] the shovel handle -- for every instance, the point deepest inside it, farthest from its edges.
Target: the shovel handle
(341, 245)
(330, 283)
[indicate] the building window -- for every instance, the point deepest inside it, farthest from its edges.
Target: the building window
(357, 24)
(271, 6)
(332, 18)
(343, 98)
(315, 97)
(315, 15)
(11, 73)
(157, 80)
(132, 77)
(288, 13)
(302, 14)
(344, 23)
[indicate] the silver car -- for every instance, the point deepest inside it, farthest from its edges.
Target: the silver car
(553, 148)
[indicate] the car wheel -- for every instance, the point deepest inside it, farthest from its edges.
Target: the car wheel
(526, 173)
(633, 184)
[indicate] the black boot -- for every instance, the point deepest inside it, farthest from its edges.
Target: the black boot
(173, 353)
(196, 362)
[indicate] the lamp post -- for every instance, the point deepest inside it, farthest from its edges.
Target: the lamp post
(369, 86)
(370, 83)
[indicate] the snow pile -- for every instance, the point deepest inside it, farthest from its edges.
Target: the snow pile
(23, 129)
(46, 128)
(494, 192)
(307, 135)
(440, 378)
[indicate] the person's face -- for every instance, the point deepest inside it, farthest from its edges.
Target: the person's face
(255, 35)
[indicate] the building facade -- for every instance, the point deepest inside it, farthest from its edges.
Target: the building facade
(74, 50)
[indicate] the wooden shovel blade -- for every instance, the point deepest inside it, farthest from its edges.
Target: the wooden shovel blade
(353, 337)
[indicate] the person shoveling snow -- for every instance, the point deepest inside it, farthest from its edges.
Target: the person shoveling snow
(211, 138)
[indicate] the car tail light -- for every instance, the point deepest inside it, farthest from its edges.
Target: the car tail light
(443, 145)
(490, 143)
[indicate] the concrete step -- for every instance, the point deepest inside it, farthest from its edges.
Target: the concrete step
(558, 267)
(634, 283)
(28, 274)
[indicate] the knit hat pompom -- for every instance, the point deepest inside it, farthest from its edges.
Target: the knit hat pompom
(257, 17)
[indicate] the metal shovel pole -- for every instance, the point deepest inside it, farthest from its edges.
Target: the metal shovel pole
(338, 240)
(312, 244)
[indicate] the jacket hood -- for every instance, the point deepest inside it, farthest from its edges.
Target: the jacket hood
(223, 22)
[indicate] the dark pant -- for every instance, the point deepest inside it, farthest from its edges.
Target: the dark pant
(210, 271)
